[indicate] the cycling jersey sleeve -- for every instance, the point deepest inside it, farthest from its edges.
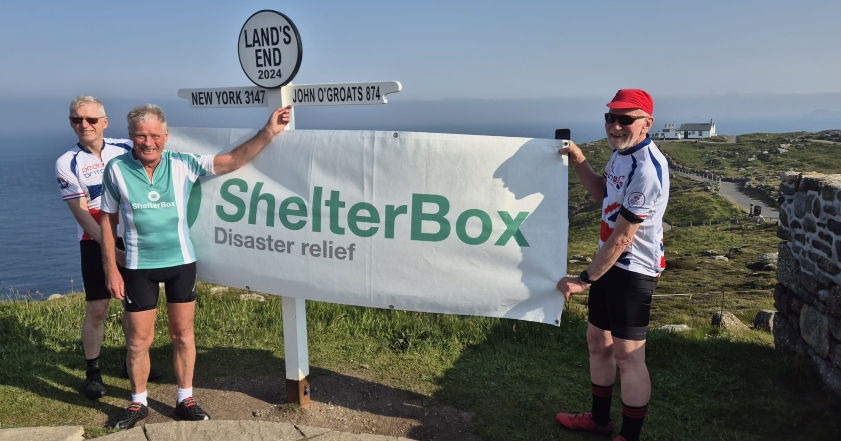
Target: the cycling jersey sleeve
(68, 183)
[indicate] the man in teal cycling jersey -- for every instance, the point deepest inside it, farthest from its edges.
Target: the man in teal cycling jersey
(148, 188)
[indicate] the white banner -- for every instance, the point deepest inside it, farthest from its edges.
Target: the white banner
(454, 224)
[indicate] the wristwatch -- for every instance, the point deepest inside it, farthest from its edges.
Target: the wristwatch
(585, 277)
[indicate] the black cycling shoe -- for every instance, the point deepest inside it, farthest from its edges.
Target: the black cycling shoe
(136, 412)
(94, 389)
(190, 410)
(154, 374)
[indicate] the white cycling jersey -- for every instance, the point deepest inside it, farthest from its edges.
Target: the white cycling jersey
(79, 174)
(637, 187)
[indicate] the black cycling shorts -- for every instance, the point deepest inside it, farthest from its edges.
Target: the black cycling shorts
(620, 302)
(142, 288)
(93, 275)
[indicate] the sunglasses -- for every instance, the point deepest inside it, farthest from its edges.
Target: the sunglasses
(624, 120)
(90, 120)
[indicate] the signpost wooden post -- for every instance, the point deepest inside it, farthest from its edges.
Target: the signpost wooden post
(270, 54)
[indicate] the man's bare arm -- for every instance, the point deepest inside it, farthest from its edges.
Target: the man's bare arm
(79, 208)
(246, 151)
(619, 240)
(113, 279)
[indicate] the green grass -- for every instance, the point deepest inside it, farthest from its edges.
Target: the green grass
(513, 376)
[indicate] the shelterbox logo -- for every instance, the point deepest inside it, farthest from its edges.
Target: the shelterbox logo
(426, 212)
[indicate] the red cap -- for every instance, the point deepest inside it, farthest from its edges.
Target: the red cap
(632, 99)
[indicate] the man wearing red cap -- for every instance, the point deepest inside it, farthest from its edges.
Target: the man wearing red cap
(634, 190)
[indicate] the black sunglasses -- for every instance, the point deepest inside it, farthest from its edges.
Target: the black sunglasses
(90, 120)
(624, 120)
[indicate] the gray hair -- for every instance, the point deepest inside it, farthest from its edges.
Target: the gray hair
(144, 113)
(80, 101)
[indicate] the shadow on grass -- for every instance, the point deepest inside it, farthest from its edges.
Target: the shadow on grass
(704, 387)
(46, 366)
(249, 384)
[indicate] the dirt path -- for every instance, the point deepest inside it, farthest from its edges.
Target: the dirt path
(343, 402)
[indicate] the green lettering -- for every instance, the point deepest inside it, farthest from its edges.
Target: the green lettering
(391, 213)
(334, 204)
(372, 217)
(316, 209)
(418, 217)
(256, 197)
(229, 197)
(512, 228)
(461, 227)
(285, 211)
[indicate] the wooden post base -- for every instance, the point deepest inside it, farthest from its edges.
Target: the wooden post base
(298, 392)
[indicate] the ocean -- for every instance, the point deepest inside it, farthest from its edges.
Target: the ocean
(40, 253)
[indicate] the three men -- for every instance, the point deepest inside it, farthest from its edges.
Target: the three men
(148, 189)
(79, 174)
(634, 190)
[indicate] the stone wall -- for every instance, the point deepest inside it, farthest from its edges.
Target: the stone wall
(808, 295)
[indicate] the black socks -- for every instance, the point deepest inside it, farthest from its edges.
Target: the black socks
(632, 419)
(601, 403)
(92, 369)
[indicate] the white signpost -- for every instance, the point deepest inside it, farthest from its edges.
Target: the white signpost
(270, 54)
(373, 92)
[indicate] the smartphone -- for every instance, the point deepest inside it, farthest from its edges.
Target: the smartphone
(562, 134)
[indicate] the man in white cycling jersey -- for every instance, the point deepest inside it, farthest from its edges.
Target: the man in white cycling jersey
(148, 189)
(634, 192)
(79, 175)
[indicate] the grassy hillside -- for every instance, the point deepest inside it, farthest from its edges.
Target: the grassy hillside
(761, 158)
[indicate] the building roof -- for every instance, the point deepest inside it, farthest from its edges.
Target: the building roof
(697, 126)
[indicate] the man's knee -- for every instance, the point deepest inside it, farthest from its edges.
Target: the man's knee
(599, 341)
(96, 311)
(139, 333)
(182, 335)
(629, 354)
(139, 343)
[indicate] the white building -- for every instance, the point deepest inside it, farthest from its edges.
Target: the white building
(668, 132)
(698, 130)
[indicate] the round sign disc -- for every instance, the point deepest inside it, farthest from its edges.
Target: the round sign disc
(269, 49)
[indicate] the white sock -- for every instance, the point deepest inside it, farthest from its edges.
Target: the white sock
(183, 394)
(140, 398)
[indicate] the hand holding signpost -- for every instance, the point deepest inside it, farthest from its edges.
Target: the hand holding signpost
(278, 120)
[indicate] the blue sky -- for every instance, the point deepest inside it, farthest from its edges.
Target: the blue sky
(438, 50)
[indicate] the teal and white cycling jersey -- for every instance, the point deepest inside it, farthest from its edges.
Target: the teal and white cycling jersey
(154, 213)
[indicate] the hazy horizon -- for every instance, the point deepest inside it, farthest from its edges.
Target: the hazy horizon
(512, 117)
